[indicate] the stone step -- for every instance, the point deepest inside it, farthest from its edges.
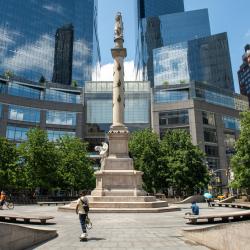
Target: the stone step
(124, 210)
(155, 204)
(121, 198)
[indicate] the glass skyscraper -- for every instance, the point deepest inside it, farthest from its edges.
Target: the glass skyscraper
(148, 8)
(159, 31)
(27, 37)
(204, 59)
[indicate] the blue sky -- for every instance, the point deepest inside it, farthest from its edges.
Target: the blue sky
(225, 16)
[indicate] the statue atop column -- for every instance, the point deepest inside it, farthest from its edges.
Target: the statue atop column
(118, 32)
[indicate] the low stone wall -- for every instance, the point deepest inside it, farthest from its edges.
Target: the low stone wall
(190, 199)
(16, 237)
(232, 236)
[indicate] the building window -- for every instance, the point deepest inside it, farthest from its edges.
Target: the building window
(54, 135)
(210, 135)
(208, 118)
(229, 140)
(1, 110)
(231, 123)
(61, 118)
(23, 91)
(174, 118)
(171, 96)
(211, 151)
(60, 96)
(26, 114)
(3, 87)
(16, 133)
(213, 163)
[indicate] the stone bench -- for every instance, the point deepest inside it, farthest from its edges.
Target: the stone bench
(24, 218)
(53, 203)
(233, 205)
(222, 217)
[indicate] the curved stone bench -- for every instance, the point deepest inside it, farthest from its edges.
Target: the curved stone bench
(17, 237)
(25, 218)
(222, 217)
(233, 205)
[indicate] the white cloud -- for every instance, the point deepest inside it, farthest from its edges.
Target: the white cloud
(25, 57)
(106, 73)
(54, 8)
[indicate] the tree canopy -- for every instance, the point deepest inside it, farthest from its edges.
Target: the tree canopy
(40, 160)
(75, 170)
(240, 162)
(172, 162)
(144, 147)
(8, 163)
(185, 162)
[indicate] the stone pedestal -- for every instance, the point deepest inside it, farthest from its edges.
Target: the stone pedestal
(117, 176)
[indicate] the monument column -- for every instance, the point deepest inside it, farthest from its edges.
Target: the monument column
(118, 53)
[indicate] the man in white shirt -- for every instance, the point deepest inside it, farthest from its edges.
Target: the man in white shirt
(82, 208)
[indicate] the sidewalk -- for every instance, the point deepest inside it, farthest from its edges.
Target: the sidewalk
(119, 231)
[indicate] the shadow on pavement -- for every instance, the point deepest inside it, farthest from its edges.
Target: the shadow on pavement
(95, 238)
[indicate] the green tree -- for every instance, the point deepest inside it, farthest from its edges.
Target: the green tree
(74, 83)
(9, 74)
(185, 162)
(145, 149)
(75, 171)
(42, 79)
(240, 162)
(8, 163)
(40, 160)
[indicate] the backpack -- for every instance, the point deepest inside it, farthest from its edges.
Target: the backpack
(85, 204)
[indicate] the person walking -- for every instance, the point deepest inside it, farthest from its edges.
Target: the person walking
(2, 199)
(82, 209)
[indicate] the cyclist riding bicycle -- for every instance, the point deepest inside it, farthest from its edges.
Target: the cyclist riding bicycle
(2, 199)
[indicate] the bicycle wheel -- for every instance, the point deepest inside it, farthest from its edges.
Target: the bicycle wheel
(10, 205)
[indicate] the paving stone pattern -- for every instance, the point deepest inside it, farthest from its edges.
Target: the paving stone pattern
(120, 231)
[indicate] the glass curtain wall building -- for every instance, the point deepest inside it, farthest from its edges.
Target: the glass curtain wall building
(98, 108)
(148, 8)
(244, 73)
(27, 37)
(159, 31)
(210, 114)
(205, 59)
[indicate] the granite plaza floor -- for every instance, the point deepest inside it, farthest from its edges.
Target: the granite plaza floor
(120, 231)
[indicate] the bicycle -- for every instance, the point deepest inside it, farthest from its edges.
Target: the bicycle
(8, 205)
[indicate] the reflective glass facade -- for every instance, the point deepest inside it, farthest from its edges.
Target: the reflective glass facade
(231, 123)
(40, 93)
(147, 8)
(217, 97)
(24, 91)
(165, 96)
(54, 135)
(205, 59)
(168, 29)
(208, 118)
(98, 99)
(16, 133)
(26, 114)
(27, 36)
(244, 73)
(61, 96)
(60, 118)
